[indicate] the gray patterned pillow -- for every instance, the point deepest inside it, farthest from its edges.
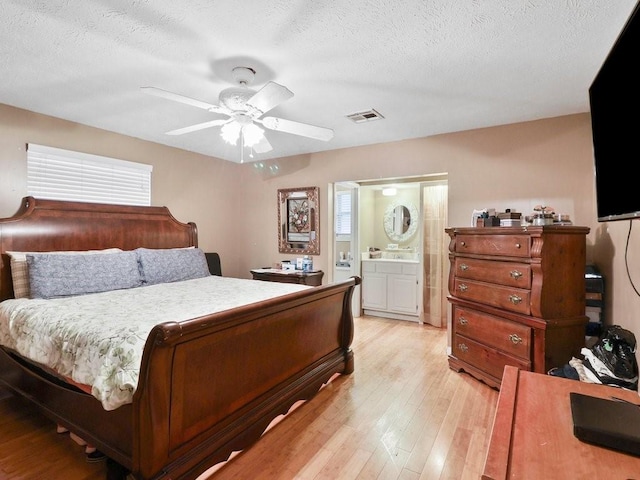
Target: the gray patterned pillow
(52, 276)
(20, 270)
(168, 265)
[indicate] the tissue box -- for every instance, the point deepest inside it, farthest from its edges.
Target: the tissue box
(288, 266)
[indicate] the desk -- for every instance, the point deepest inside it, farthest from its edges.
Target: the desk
(532, 435)
(313, 279)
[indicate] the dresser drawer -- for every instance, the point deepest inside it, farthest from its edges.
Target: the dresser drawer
(508, 298)
(504, 335)
(503, 273)
(502, 245)
(485, 358)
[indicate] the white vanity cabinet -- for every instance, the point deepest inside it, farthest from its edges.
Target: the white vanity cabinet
(390, 288)
(374, 288)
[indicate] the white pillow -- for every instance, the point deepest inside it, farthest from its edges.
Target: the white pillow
(20, 269)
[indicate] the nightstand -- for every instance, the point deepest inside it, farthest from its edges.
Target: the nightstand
(312, 279)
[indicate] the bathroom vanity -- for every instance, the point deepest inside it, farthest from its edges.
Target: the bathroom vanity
(390, 288)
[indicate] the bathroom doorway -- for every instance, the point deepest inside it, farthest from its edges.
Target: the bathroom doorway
(431, 245)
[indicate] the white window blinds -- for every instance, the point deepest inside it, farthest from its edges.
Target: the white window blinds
(343, 213)
(59, 174)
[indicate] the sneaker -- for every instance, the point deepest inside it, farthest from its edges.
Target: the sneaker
(95, 456)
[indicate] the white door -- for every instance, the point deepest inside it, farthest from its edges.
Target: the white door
(346, 261)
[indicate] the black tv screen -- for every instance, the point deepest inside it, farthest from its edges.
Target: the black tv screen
(614, 98)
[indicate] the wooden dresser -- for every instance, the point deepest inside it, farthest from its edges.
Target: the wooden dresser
(517, 298)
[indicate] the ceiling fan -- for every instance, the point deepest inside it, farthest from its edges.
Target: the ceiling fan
(245, 108)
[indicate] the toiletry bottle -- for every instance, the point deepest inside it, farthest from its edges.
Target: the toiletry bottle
(307, 264)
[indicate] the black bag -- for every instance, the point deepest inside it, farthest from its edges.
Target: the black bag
(616, 348)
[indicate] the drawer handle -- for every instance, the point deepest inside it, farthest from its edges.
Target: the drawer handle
(464, 266)
(515, 299)
(463, 321)
(462, 347)
(515, 339)
(462, 287)
(515, 274)
(518, 245)
(463, 244)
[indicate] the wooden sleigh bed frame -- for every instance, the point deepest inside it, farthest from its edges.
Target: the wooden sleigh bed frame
(208, 386)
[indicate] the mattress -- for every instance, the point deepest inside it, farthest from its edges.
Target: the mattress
(97, 340)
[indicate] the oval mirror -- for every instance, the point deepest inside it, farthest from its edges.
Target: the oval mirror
(400, 221)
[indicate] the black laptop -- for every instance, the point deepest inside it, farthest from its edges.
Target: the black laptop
(606, 422)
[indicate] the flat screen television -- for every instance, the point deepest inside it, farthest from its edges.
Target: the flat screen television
(614, 98)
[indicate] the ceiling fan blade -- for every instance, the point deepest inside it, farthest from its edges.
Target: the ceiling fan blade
(158, 92)
(269, 96)
(262, 146)
(199, 126)
(297, 128)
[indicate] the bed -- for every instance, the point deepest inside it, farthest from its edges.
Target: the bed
(208, 386)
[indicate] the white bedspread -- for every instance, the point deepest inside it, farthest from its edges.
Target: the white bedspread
(98, 339)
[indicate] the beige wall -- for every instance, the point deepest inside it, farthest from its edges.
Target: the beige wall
(194, 187)
(514, 166)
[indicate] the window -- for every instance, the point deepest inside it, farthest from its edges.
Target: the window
(58, 174)
(343, 215)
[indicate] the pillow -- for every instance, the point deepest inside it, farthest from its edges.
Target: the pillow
(52, 275)
(171, 264)
(20, 270)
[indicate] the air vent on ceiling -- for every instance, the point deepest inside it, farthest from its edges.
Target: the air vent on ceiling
(366, 116)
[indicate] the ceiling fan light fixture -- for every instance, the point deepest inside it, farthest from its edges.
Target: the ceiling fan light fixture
(230, 132)
(251, 134)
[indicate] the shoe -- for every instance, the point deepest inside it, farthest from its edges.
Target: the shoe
(564, 372)
(95, 456)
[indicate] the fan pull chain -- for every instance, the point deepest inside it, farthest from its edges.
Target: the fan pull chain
(241, 146)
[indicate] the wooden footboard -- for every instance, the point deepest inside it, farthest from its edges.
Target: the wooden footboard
(213, 385)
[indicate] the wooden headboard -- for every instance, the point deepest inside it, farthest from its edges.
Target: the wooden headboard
(49, 225)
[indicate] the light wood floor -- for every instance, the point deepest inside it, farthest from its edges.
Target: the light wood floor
(403, 414)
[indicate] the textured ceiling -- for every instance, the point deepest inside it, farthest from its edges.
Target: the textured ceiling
(428, 66)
